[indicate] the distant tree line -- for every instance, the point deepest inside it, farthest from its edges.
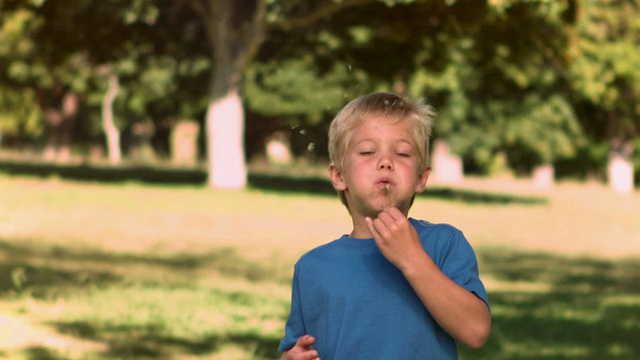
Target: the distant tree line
(517, 84)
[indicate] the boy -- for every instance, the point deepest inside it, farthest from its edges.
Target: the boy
(395, 287)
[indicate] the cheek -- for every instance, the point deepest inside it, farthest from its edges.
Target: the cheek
(356, 164)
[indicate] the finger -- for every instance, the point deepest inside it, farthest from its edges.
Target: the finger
(306, 341)
(395, 213)
(385, 217)
(384, 224)
(379, 231)
(309, 355)
(372, 229)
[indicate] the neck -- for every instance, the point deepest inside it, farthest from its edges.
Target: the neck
(360, 229)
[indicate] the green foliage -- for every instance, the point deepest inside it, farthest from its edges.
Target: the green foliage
(502, 89)
(547, 127)
(51, 47)
(529, 79)
(604, 69)
(19, 115)
(295, 88)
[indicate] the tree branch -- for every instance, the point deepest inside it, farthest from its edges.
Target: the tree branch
(254, 37)
(204, 16)
(320, 13)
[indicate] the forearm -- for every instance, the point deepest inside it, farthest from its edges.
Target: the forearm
(458, 311)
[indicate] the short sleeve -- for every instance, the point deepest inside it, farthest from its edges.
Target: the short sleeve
(453, 254)
(460, 264)
(295, 324)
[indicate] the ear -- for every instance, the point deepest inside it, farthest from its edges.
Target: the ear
(337, 180)
(422, 179)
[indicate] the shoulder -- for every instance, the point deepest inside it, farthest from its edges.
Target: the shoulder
(424, 227)
(443, 241)
(320, 253)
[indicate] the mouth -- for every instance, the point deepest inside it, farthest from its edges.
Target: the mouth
(385, 183)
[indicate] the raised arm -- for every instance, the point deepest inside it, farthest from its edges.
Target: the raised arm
(458, 311)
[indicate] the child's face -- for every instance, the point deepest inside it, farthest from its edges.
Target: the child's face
(380, 155)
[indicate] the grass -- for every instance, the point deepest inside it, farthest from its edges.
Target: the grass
(136, 270)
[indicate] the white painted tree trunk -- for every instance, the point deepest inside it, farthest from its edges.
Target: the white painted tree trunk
(544, 176)
(620, 173)
(446, 168)
(108, 124)
(225, 133)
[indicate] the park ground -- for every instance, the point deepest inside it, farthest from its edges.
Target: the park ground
(130, 270)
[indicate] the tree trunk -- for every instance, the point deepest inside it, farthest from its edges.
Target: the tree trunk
(446, 167)
(236, 31)
(108, 124)
(544, 176)
(225, 115)
(620, 167)
(225, 133)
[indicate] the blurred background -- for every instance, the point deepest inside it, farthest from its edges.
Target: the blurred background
(124, 125)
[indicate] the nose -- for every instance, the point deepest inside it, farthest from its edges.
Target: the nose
(385, 162)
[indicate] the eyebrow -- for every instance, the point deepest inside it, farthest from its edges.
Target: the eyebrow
(402, 140)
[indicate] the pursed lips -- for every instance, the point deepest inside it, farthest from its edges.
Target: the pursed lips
(384, 182)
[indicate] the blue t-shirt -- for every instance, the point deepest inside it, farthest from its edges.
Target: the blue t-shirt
(358, 305)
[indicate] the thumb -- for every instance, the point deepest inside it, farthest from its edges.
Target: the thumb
(306, 341)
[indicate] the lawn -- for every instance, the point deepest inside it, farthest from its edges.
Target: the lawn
(132, 270)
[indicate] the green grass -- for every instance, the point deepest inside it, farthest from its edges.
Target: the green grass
(152, 271)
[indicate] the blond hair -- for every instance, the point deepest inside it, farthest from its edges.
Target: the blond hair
(391, 107)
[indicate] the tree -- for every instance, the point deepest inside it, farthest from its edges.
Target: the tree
(19, 114)
(68, 54)
(307, 76)
(235, 31)
(606, 78)
(503, 88)
(51, 52)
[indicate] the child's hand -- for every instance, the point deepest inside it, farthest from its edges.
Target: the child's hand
(396, 237)
(302, 350)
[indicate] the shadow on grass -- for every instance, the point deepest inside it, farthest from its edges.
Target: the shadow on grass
(47, 272)
(24, 271)
(149, 343)
(546, 306)
(561, 308)
(41, 353)
(261, 181)
(56, 272)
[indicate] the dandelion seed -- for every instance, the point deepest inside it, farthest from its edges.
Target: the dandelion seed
(311, 146)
